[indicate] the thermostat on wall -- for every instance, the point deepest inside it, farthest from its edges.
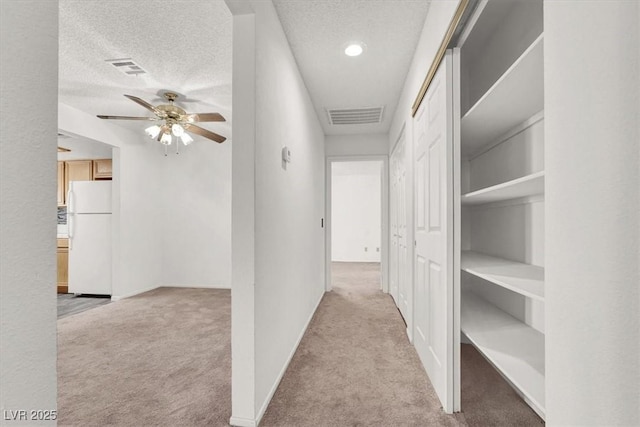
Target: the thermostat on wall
(286, 154)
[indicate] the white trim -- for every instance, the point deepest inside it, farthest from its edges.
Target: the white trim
(132, 294)
(196, 286)
(401, 135)
(242, 422)
(276, 383)
(384, 206)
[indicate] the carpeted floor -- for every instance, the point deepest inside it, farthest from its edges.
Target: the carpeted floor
(487, 400)
(162, 358)
(355, 365)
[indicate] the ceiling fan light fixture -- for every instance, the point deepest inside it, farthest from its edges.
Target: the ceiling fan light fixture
(166, 139)
(173, 121)
(153, 131)
(177, 130)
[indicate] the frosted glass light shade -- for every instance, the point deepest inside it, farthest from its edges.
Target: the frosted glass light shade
(166, 139)
(177, 130)
(153, 131)
(186, 139)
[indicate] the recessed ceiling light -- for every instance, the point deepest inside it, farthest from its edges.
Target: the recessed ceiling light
(354, 49)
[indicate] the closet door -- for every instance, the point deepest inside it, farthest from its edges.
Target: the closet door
(393, 211)
(433, 263)
(404, 260)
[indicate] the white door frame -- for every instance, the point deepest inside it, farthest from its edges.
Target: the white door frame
(384, 206)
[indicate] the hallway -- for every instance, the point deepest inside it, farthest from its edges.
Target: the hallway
(355, 365)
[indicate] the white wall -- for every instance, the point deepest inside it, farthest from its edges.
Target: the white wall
(82, 148)
(278, 251)
(375, 144)
(356, 210)
(289, 205)
(592, 135)
(28, 82)
(435, 26)
(196, 206)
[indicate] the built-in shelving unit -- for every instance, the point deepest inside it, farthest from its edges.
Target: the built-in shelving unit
(525, 279)
(514, 348)
(515, 97)
(529, 185)
(502, 295)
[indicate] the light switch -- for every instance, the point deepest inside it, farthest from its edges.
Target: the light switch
(286, 155)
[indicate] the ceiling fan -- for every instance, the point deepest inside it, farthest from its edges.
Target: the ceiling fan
(174, 121)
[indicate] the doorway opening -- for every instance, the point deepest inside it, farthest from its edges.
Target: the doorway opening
(84, 225)
(356, 223)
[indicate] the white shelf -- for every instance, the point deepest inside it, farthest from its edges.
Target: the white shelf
(516, 96)
(525, 279)
(529, 185)
(514, 348)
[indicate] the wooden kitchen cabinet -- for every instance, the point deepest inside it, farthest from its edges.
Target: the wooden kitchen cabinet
(77, 170)
(61, 184)
(102, 169)
(63, 266)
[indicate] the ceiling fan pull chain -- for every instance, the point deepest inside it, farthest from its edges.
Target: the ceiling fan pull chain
(165, 150)
(177, 146)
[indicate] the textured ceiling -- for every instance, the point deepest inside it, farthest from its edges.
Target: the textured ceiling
(318, 31)
(185, 46)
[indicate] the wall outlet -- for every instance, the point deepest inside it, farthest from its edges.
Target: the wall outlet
(366, 249)
(377, 249)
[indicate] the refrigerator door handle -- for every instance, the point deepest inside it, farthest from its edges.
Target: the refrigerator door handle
(69, 201)
(70, 215)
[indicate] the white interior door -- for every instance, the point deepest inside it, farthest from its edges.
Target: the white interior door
(433, 263)
(404, 282)
(393, 227)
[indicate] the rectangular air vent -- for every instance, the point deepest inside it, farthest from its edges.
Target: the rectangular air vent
(355, 116)
(127, 66)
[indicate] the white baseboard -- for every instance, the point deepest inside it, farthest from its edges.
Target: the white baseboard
(263, 409)
(196, 286)
(132, 294)
(242, 422)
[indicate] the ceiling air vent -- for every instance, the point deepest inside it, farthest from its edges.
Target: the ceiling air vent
(355, 116)
(127, 66)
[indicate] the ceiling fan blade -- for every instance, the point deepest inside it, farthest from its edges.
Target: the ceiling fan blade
(206, 133)
(206, 117)
(145, 104)
(126, 117)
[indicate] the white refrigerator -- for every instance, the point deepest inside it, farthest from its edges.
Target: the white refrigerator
(89, 221)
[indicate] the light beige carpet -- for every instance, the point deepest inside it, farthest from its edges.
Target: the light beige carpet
(355, 365)
(162, 358)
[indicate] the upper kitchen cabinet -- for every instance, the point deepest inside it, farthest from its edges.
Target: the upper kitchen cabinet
(102, 169)
(81, 170)
(61, 184)
(77, 170)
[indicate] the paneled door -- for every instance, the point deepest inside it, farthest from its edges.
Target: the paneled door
(393, 227)
(404, 282)
(400, 280)
(433, 262)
